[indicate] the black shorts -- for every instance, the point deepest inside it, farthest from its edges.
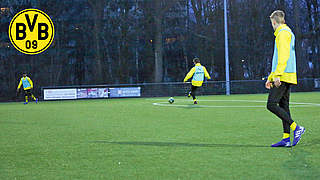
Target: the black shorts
(27, 92)
(193, 88)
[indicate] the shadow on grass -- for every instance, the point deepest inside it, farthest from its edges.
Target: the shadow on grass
(16, 122)
(184, 106)
(308, 142)
(190, 106)
(175, 144)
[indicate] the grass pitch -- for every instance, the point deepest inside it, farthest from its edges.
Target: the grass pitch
(136, 139)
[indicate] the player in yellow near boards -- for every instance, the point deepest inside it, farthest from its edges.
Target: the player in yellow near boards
(27, 84)
(198, 72)
(283, 75)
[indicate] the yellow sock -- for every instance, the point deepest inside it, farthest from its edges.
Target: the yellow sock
(195, 100)
(285, 135)
(293, 126)
(34, 98)
(26, 98)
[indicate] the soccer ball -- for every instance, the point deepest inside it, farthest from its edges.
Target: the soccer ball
(171, 100)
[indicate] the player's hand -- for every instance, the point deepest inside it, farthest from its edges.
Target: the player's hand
(268, 84)
(277, 82)
(17, 89)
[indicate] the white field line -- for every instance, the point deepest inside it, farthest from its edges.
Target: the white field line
(297, 104)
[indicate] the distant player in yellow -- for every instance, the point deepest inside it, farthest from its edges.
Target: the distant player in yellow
(27, 84)
(198, 72)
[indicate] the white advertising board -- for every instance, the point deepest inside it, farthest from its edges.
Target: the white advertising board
(56, 94)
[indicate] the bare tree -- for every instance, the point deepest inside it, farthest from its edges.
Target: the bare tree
(98, 11)
(160, 8)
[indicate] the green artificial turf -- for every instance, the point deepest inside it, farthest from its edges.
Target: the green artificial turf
(134, 139)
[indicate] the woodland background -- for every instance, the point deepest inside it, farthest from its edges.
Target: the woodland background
(141, 41)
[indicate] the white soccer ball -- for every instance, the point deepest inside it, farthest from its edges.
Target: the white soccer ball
(171, 100)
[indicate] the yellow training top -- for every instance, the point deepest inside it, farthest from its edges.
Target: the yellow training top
(26, 82)
(197, 72)
(284, 57)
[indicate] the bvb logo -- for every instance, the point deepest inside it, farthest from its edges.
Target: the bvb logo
(31, 31)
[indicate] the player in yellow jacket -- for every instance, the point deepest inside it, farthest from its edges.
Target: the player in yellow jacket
(27, 84)
(282, 76)
(198, 72)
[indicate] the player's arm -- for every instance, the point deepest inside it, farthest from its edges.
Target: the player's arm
(283, 53)
(206, 74)
(269, 78)
(31, 83)
(20, 83)
(190, 74)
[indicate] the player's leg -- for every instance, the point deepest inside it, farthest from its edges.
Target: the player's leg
(284, 104)
(193, 93)
(189, 93)
(33, 97)
(298, 131)
(275, 96)
(26, 95)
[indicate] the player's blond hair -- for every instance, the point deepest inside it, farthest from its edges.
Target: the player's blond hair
(278, 16)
